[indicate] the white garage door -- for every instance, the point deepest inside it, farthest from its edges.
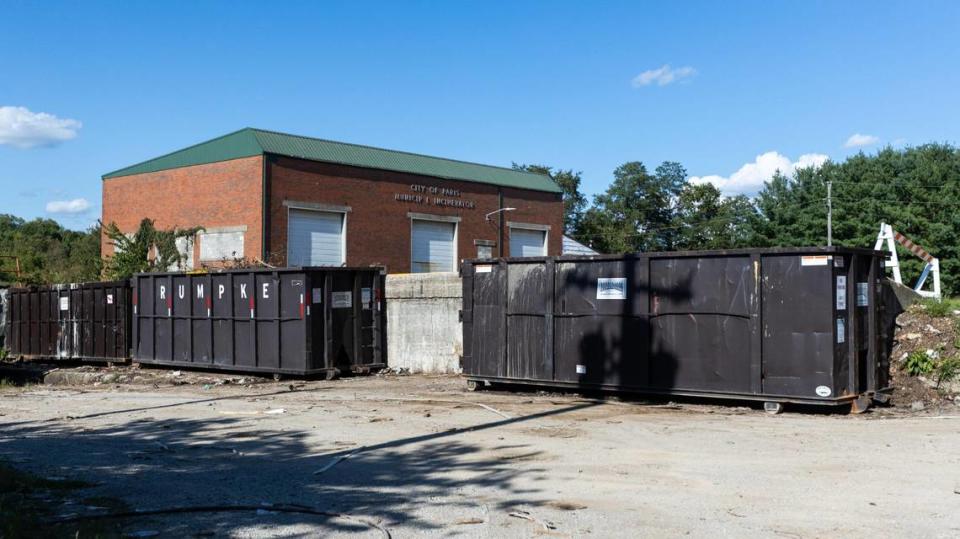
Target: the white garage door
(433, 246)
(314, 238)
(525, 242)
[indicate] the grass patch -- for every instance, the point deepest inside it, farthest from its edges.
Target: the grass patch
(940, 309)
(28, 504)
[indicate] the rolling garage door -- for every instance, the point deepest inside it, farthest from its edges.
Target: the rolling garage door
(433, 246)
(315, 238)
(525, 242)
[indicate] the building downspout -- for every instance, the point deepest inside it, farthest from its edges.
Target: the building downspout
(265, 218)
(500, 226)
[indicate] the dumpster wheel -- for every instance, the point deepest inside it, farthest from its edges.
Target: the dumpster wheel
(773, 408)
(473, 385)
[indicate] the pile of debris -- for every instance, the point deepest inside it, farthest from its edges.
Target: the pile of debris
(938, 337)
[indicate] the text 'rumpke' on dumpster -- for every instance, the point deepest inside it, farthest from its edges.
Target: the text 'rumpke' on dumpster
(295, 321)
(80, 321)
(802, 325)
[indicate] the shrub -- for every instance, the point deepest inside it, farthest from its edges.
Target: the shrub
(946, 370)
(919, 362)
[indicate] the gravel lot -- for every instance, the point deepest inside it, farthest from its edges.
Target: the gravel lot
(420, 457)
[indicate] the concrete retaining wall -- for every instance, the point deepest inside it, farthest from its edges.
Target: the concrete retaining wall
(424, 333)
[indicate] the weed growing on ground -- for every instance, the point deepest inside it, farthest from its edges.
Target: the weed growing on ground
(939, 309)
(918, 362)
(946, 371)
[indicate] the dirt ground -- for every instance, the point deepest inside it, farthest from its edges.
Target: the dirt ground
(419, 456)
(918, 331)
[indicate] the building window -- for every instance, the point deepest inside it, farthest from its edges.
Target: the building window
(484, 248)
(433, 243)
(528, 239)
(224, 243)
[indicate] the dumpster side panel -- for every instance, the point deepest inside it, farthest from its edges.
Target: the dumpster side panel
(704, 352)
(700, 330)
(254, 320)
(798, 327)
(529, 290)
(222, 312)
(293, 349)
(603, 349)
(487, 339)
(267, 321)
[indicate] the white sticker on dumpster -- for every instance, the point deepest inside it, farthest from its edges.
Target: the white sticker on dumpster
(342, 300)
(863, 298)
(815, 260)
(581, 369)
(317, 295)
(841, 330)
(365, 295)
(841, 292)
(64, 303)
(823, 391)
(484, 268)
(611, 288)
(109, 299)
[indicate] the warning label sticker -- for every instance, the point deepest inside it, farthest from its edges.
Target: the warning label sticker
(342, 300)
(841, 292)
(483, 268)
(612, 288)
(815, 260)
(863, 298)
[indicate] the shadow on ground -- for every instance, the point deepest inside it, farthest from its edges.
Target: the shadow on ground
(236, 461)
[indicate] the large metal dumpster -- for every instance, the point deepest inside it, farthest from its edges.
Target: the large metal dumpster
(80, 321)
(298, 321)
(778, 325)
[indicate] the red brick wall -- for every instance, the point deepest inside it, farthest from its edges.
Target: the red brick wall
(221, 194)
(378, 228)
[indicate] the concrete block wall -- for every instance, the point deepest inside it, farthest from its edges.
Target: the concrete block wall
(424, 333)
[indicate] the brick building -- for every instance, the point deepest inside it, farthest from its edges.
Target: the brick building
(303, 201)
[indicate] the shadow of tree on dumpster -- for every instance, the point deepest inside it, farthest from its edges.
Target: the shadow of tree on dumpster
(239, 461)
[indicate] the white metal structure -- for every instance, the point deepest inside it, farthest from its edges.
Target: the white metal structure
(888, 235)
(315, 238)
(433, 245)
(528, 239)
(526, 242)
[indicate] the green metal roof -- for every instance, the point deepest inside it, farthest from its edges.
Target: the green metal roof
(250, 142)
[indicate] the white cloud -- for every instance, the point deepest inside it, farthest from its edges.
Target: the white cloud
(663, 76)
(749, 178)
(77, 205)
(858, 140)
(21, 128)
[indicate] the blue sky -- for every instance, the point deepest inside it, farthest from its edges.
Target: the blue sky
(582, 85)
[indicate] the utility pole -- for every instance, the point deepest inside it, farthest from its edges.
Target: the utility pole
(829, 213)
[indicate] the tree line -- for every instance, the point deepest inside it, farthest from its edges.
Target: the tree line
(915, 189)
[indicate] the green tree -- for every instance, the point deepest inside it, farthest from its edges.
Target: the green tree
(146, 250)
(704, 219)
(636, 212)
(917, 190)
(47, 252)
